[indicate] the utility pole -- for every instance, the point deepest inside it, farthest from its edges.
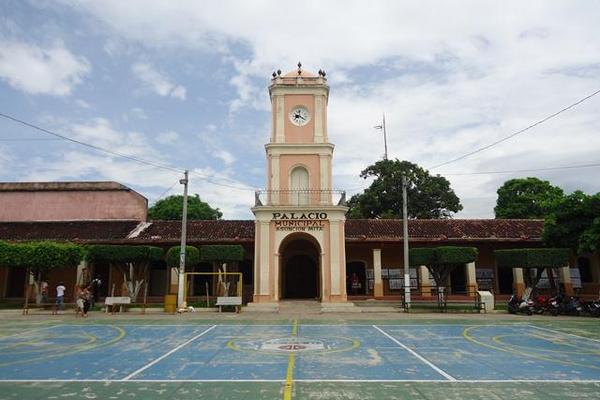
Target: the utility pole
(382, 127)
(180, 286)
(405, 237)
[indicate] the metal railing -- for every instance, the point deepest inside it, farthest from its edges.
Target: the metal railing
(299, 197)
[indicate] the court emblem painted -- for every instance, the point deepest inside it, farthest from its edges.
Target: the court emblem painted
(296, 344)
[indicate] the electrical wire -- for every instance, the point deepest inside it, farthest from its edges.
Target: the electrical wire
(591, 165)
(126, 156)
(516, 133)
(165, 192)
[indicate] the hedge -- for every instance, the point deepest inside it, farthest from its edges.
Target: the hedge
(442, 255)
(532, 258)
(192, 256)
(221, 253)
(123, 253)
(40, 256)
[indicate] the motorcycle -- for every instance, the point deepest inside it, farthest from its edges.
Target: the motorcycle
(516, 305)
(541, 304)
(592, 308)
(556, 304)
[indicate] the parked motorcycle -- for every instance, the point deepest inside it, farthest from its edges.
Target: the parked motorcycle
(541, 304)
(592, 308)
(517, 305)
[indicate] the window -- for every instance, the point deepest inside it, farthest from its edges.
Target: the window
(299, 186)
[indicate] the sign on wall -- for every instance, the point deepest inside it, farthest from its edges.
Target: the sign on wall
(299, 221)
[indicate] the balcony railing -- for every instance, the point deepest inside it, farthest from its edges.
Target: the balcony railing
(299, 197)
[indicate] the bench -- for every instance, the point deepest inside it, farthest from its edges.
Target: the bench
(113, 302)
(50, 305)
(441, 302)
(230, 301)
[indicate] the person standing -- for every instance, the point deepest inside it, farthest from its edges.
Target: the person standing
(95, 288)
(44, 291)
(60, 296)
(87, 296)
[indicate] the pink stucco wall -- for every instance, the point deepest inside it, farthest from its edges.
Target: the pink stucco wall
(71, 205)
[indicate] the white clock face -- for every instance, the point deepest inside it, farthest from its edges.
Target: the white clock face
(299, 116)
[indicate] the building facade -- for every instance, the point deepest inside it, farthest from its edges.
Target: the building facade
(300, 245)
(299, 232)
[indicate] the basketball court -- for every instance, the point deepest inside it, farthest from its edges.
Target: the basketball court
(294, 359)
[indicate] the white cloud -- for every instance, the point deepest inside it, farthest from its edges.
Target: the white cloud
(168, 137)
(37, 70)
(157, 81)
(225, 156)
(451, 76)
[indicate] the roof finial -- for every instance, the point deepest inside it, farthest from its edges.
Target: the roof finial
(299, 67)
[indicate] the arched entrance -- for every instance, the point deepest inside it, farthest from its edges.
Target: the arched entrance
(300, 268)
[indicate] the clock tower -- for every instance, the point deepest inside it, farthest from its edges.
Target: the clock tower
(299, 242)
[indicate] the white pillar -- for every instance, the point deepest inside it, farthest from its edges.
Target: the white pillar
(518, 281)
(424, 280)
(378, 284)
(471, 278)
(565, 279)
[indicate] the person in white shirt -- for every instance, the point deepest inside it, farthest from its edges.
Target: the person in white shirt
(60, 296)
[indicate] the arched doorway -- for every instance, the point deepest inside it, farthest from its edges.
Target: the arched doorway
(300, 267)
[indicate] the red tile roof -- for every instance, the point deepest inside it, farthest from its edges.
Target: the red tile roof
(445, 229)
(79, 231)
(357, 230)
(199, 231)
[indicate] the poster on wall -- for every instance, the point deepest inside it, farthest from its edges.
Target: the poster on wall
(544, 282)
(371, 284)
(370, 274)
(384, 273)
(395, 273)
(485, 278)
(396, 284)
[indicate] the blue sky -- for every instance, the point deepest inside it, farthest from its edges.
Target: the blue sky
(185, 84)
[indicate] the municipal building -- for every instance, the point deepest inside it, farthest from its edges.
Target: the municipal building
(300, 244)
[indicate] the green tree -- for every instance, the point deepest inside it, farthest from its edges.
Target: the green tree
(40, 257)
(441, 261)
(428, 196)
(132, 261)
(526, 198)
(171, 208)
(573, 221)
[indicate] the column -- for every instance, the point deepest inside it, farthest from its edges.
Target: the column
(82, 273)
(378, 284)
(565, 279)
(424, 280)
(518, 281)
(262, 259)
(471, 278)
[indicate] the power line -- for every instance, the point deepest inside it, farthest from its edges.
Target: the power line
(516, 133)
(129, 157)
(592, 165)
(166, 191)
(575, 166)
(26, 139)
(97, 148)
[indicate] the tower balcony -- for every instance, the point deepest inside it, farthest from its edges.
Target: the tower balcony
(299, 198)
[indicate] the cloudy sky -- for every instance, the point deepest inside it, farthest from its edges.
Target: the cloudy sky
(184, 84)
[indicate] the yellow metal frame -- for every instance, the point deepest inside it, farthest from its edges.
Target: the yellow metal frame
(185, 280)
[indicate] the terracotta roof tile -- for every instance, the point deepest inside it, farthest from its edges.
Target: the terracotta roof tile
(199, 231)
(441, 229)
(243, 231)
(82, 231)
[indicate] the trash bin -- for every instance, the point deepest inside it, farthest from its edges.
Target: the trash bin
(170, 303)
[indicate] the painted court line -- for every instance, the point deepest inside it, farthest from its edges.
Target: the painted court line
(414, 353)
(145, 367)
(564, 333)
